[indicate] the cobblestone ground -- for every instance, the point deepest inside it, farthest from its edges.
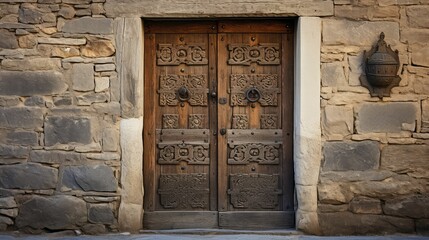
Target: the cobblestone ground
(211, 237)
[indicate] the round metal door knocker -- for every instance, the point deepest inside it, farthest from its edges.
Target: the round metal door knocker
(253, 94)
(183, 94)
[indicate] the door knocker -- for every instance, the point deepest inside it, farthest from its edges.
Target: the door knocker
(183, 94)
(253, 94)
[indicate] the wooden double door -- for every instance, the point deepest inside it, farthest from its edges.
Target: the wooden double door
(218, 125)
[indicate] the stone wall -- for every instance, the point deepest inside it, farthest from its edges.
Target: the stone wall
(71, 114)
(59, 117)
(374, 173)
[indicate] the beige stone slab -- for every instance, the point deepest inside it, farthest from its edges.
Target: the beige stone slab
(217, 8)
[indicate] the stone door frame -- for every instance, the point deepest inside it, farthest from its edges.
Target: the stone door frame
(307, 132)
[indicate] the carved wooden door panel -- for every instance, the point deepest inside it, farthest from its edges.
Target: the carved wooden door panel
(218, 125)
(255, 74)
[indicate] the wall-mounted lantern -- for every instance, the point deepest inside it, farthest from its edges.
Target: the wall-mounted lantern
(381, 68)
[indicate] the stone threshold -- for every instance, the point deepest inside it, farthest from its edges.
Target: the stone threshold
(198, 231)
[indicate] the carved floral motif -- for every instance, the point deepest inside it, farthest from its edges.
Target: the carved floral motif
(196, 85)
(173, 55)
(196, 121)
(184, 191)
(263, 54)
(267, 85)
(254, 152)
(254, 191)
(269, 121)
(240, 121)
(170, 121)
(175, 153)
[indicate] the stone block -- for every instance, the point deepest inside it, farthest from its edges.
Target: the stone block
(27, 41)
(110, 139)
(8, 39)
(358, 33)
(104, 156)
(355, 176)
(105, 67)
(62, 41)
(334, 193)
(67, 130)
(351, 156)
(89, 178)
(329, 208)
(94, 229)
(18, 117)
(66, 12)
(365, 205)
(409, 159)
(89, 25)
(388, 188)
(353, 12)
(220, 8)
(385, 117)
(6, 9)
(346, 223)
(28, 176)
(101, 213)
(31, 83)
(90, 98)
(65, 52)
(8, 202)
(33, 64)
(425, 115)
(83, 77)
(18, 137)
(417, 16)
(34, 101)
(55, 157)
(421, 84)
(415, 35)
(63, 100)
(97, 47)
(9, 101)
(415, 206)
(333, 74)
(101, 84)
(54, 213)
(30, 14)
(356, 67)
(337, 121)
(6, 220)
(419, 55)
(9, 212)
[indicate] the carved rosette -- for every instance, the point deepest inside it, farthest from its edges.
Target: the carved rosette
(170, 121)
(263, 54)
(254, 191)
(196, 121)
(254, 152)
(184, 191)
(240, 121)
(269, 121)
(173, 55)
(196, 85)
(191, 153)
(267, 85)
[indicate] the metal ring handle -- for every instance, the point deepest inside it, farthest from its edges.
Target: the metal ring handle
(253, 94)
(183, 93)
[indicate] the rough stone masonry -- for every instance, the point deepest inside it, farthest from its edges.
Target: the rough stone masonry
(59, 117)
(62, 108)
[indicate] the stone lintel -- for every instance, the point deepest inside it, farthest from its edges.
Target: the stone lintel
(219, 8)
